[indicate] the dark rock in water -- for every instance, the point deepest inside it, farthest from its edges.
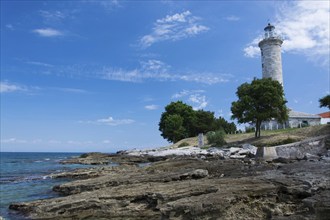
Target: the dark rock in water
(104, 159)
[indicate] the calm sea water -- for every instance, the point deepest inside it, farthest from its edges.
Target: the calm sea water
(23, 177)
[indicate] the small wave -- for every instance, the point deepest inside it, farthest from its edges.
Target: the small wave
(7, 180)
(38, 161)
(47, 159)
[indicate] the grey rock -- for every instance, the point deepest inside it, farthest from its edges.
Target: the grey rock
(188, 188)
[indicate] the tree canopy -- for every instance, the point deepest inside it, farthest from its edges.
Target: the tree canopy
(325, 101)
(259, 101)
(181, 121)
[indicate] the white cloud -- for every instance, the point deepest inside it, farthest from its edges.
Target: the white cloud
(13, 141)
(232, 18)
(304, 25)
(114, 122)
(251, 51)
(159, 71)
(10, 27)
(106, 142)
(110, 73)
(151, 107)
(48, 32)
(109, 4)
(52, 16)
(38, 63)
(6, 87)
(194, 97)
(71, 90)
(195, 29)
(154, 66)
(198, 101)
(173, 27)
(149, 70)
(109, 121)
(184, 93)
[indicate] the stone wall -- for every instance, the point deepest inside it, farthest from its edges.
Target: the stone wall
(299, 150)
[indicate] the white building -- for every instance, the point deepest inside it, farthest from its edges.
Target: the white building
(325, 118)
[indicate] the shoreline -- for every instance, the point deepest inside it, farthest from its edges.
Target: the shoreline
(193, 184)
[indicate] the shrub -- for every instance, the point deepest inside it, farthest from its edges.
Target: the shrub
(216, 138)
(183, 144)
(288, 140)
(249, 129)
(84, 155)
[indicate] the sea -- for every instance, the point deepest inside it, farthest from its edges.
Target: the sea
(24, 177)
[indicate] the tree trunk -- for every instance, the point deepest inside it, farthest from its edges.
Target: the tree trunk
(257, 131)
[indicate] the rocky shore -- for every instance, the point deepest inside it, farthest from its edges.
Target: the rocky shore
(198, 184)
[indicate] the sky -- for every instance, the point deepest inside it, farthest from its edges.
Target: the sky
(81, 76)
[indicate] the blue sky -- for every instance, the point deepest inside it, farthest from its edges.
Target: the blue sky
(81, 76)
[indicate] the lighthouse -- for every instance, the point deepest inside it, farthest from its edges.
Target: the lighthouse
(271, 60)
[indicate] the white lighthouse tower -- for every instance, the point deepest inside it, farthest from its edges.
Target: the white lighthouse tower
(271, 59)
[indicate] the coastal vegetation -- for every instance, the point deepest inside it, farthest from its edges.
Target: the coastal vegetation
(259, 101)
(216, 138)
(181, 121)
(325, 101)
(268, 138)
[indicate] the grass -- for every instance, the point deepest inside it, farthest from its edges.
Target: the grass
(268, 138)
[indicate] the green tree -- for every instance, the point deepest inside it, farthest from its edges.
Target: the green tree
(221, 123)
(181, 121)
(262, 100)
(203, 122)
(325, 101)
(173, 128)
(167, 123)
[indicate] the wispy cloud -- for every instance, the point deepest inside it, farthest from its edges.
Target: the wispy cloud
(151, 107)
(149, 70)
(109, 121)
(173, 27)
(39, 63)
(138, 75)
(304, 26)
(232, 18)
(184, 93)
(108, 5)
(10, 27)
(193, 97)
(13, 141)
(7, 87)
(159, 71)
(198, 101)
(154, 66)
(252, 49)
(71, 90)
(48, 32)
(52, 16)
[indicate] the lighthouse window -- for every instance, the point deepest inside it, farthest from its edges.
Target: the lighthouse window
(262, 65)
(262, 53)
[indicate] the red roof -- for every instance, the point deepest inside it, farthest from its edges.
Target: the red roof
(325, 115)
